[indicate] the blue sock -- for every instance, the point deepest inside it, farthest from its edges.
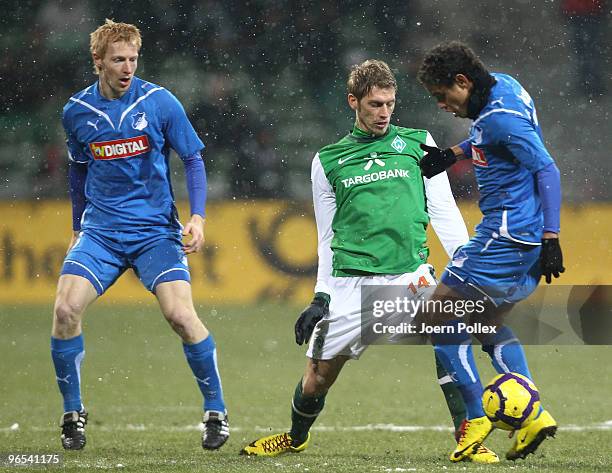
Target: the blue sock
(454, 350)
(67, 356)
(202, 358)
(506, 352)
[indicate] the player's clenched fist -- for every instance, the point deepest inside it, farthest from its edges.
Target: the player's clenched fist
(436, 160)
(195, 228)
(305, 324)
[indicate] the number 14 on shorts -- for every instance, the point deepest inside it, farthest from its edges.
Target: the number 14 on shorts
(422, 282)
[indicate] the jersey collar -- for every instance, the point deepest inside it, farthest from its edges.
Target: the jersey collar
(480, 95)
(359, 136)
(123, 98)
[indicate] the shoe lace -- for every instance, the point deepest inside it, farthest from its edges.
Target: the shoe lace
(482, 449)
(75, 426)
(277, 442)
(213, 427)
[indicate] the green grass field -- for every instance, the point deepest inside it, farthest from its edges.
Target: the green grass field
(385, 413)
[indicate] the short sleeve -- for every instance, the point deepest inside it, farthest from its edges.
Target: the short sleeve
(177, 128)
(76, 153)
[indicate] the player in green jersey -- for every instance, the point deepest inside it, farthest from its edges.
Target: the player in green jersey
(372, 207)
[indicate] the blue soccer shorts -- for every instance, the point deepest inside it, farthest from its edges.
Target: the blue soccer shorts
(501, 270)
(101, 258)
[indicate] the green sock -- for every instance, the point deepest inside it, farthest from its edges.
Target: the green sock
(454, 401)
(304, 411)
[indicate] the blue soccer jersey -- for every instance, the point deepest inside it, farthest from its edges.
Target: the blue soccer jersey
(126, 144)
(507, 151)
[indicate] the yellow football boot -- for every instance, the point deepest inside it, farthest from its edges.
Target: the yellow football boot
(471, 434)
(528, 439)
(483, 455)
(273, 445)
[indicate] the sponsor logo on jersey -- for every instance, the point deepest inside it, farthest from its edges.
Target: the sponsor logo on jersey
(375, 176)
(373, 159)
(139, 121)
(120, 149)
(398, 144)
(478, 157)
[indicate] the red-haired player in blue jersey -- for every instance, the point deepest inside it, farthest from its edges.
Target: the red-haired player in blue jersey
(119, 134)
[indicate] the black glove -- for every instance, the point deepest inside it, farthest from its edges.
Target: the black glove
(436, 160)
(305, 324)
(551, 259)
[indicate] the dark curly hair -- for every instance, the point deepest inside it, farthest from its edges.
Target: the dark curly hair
(443, 62)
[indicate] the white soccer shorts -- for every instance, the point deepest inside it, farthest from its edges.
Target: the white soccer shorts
(339, 334)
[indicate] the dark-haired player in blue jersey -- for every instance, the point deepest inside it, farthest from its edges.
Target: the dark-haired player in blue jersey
(517, 241)
(119, 133)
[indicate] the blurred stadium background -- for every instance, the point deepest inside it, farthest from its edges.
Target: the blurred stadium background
(264, 84)
(264, 81)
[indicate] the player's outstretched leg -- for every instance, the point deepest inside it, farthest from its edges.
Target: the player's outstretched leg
(307, 403)
(507, 355)
(201, 352)
(458, 413)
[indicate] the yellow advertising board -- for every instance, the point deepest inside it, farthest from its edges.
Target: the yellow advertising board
(255, 251)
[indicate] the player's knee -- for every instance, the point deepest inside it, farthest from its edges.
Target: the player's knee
(314, 385)
(315, 382)
(68, 313)
(181, 319)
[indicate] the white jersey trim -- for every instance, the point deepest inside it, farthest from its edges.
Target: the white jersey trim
(505, 110)
(503, 231)
(140, 99)
(91, 107)
(165, 272)
(88, 270)
(474, 286)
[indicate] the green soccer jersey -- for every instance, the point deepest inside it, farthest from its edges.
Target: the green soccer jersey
(380, 221)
